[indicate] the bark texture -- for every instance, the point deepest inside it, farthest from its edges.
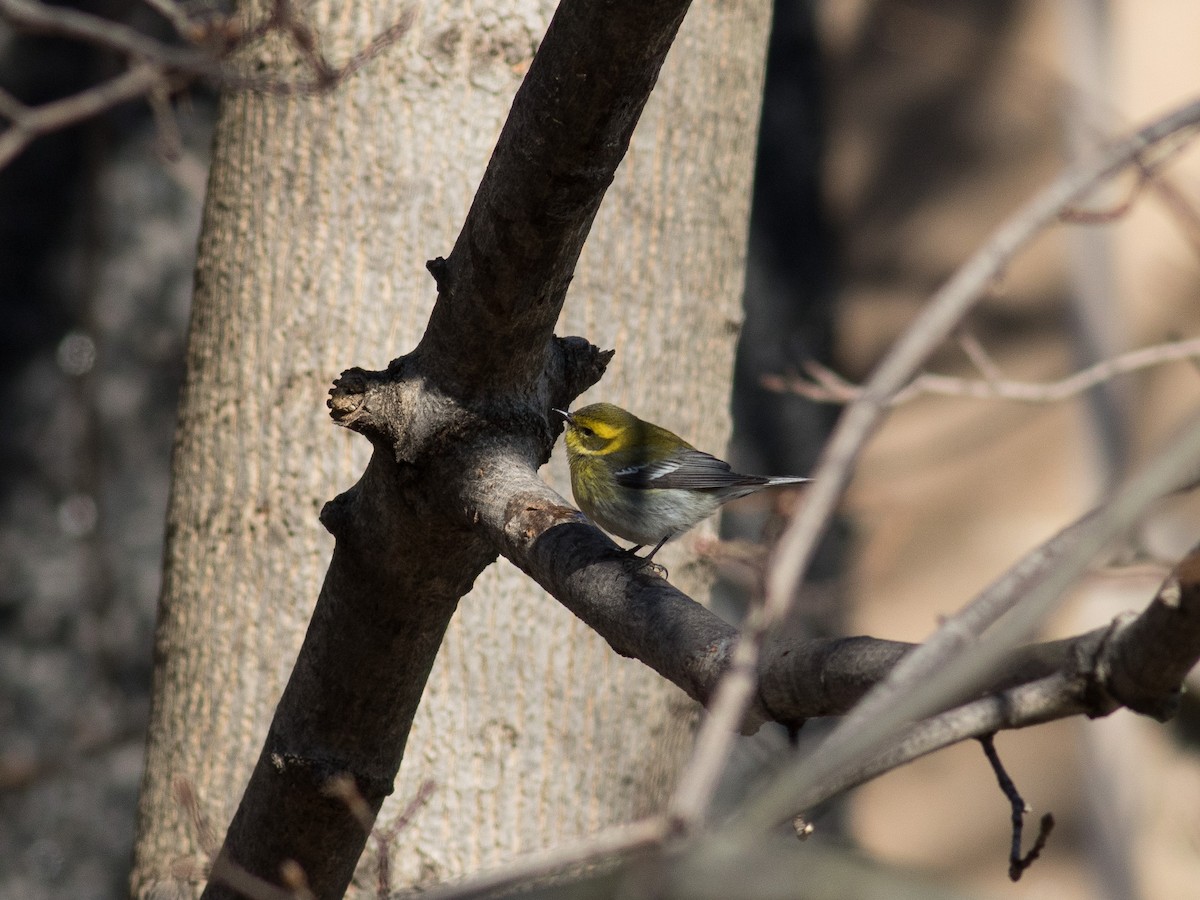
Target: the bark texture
(321, 212)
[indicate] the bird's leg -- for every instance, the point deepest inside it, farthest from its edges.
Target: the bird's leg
(649, 556)
(647, 561)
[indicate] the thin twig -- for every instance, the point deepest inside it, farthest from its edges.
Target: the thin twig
(621, 841)
(160, 69)
(1016, 863)
(385, 837)
(825, 386)
(183, 24)
(60, 21)
(35, 121)
(979, 356)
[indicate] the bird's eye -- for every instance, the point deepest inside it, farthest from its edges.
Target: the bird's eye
(585, 431)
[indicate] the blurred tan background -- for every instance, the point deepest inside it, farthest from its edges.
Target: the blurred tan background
(943, 118)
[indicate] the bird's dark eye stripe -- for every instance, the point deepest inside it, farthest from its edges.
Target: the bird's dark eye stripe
(585, 430)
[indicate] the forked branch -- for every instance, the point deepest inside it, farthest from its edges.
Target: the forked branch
(824, 385)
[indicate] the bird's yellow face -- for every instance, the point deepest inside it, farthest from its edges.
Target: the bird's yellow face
(600, 429)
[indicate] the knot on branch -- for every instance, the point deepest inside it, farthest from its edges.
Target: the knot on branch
(1141, 660)
(370, 403)
(1146, 657)
(528, 517)
(418, 405)
(347, 395)
(439, 269)
(1095, 668)
(575, 365)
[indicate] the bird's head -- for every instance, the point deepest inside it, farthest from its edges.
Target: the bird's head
(600, 429)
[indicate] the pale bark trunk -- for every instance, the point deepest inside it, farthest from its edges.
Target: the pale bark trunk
(320, 215)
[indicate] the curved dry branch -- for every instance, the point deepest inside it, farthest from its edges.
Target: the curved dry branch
(942, 315)
(27, 123)
(825, 386)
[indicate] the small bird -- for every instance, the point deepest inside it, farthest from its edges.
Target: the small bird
(641, 482)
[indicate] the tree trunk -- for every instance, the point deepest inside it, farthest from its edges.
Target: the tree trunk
(321, 212)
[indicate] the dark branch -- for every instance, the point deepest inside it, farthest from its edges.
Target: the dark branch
(1148, 656)
(569, 128)
(648, 619)
(349, 703)
(1017, 864)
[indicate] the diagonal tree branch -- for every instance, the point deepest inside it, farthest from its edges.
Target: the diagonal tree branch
(646, 618)
(569, 128)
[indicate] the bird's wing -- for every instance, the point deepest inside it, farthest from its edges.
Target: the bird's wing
(689, 469)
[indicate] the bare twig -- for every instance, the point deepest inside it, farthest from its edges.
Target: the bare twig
(979, 356)
(29, 122)
(826, 386)
(37, 18)
(621, 841)
(1017, 864)
(159, 69)
(1045, 827)
(184, 25)
(385, 837)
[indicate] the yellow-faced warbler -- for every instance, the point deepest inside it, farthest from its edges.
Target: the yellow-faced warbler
(643, 483)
